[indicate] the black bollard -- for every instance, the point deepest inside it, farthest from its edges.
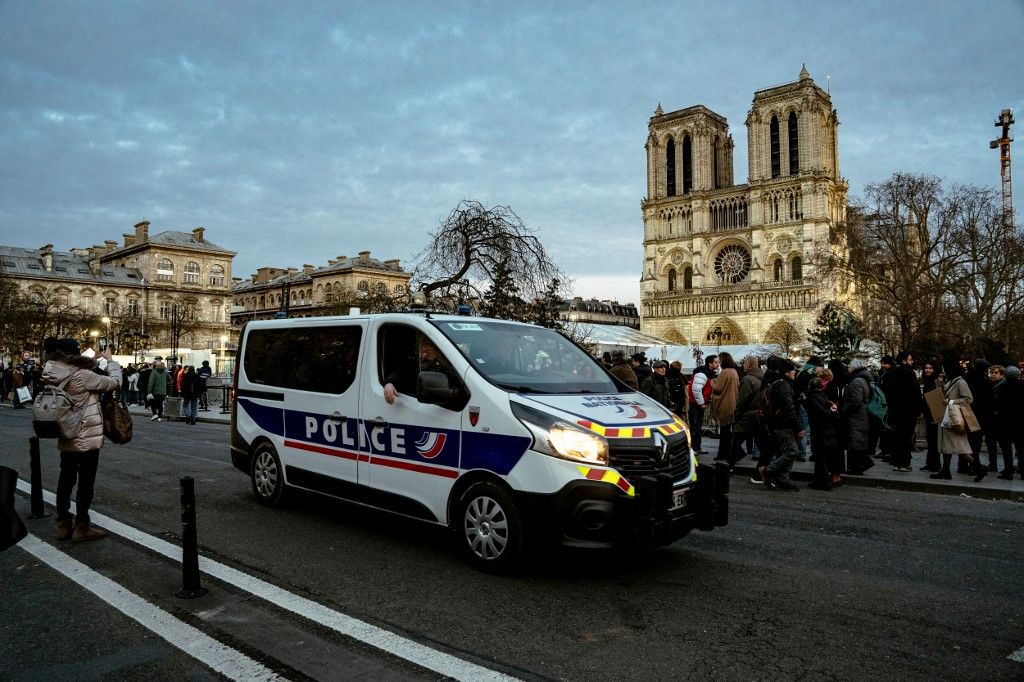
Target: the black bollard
(189, 543)
(38, 511)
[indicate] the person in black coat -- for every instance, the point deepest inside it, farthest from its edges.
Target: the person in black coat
(1007, 409)
(929, 382)
(981, 388)
(902, 396)
(784, 425)
(826, 427)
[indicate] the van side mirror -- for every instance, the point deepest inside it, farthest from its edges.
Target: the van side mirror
(432, 388)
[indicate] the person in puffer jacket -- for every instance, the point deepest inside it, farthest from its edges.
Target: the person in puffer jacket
(79, 456)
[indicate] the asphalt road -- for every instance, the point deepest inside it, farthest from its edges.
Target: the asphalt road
(857, 583)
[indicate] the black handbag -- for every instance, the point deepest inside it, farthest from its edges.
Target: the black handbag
(12, 528)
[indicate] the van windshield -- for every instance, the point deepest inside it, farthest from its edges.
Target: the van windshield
(527, 359)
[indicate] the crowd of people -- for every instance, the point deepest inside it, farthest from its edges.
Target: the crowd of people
(149, 384)
(843, 417)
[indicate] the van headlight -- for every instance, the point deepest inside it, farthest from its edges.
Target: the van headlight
(558, 438)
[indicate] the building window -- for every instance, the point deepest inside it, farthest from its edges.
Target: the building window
(399, 288)
(110, 306)
(794, 145)
(191, 272)
(714, 163)
(777, 270)
(165, 270)
(133, 306)
(687, 165)
(217, 314)
(687, 278)
(216, 275)
(670, 167)
(672, 279)
(776, 162)
(165, 310)
(796, 268)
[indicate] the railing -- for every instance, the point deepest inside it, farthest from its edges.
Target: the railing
(740, 288)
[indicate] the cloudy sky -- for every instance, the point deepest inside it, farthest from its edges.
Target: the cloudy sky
(299, 131)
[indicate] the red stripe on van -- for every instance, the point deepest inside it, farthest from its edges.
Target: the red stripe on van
(413, 466)
(333, 452)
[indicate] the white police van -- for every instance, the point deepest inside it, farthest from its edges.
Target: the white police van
(509, 435)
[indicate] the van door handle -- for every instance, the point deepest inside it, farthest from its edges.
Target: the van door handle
(338, 417)
(377, 423)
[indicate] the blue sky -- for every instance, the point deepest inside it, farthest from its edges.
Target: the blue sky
(297, 132)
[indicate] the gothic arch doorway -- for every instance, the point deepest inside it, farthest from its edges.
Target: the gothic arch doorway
(725, 332)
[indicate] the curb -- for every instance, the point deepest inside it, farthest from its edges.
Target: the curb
(907, 485)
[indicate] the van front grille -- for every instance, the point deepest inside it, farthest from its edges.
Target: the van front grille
(633, 461)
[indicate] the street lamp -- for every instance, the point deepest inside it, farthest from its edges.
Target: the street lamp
(106, 322)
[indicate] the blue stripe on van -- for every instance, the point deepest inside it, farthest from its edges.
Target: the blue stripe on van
(438, 447)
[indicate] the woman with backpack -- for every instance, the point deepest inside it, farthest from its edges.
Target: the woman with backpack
(79, 454)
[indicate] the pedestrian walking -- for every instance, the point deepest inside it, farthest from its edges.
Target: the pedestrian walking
(190, 394)
(159, 382)
(133, 386)
(929, 382)
(699, 395)
(902, 393)
(856, 421)
(957, 393)
(622, 370)
(826, 428)
(656, 385)
(724, 393)
(784, 425)
(79, 455)
(745, 416)
(204, 373)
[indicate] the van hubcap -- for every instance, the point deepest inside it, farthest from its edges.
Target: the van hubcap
(486, 528)
(265, 474)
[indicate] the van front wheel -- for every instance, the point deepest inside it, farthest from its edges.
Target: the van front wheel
(267, 475)
(491, 528)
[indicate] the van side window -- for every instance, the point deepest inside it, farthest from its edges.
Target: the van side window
(316, 359)
(402, 358)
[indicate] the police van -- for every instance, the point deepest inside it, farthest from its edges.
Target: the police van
(508, 433)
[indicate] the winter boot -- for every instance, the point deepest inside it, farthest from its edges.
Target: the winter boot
(85, 532)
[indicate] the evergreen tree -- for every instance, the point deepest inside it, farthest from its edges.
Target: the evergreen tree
(544, 310)
(502, 300)
(837, 333)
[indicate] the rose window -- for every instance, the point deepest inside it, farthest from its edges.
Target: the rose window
(732, 264)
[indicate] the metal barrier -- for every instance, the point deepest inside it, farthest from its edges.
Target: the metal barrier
(225, 399)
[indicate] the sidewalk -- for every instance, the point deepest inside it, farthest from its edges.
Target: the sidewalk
(882, 476)
(879, 476)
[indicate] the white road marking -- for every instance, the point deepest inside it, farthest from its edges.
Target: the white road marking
(220, 657)
(1017, 656)
(385, 640)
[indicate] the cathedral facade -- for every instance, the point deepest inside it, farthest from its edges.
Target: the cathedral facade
(735, 264)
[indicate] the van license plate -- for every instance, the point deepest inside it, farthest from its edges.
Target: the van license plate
(678, 499)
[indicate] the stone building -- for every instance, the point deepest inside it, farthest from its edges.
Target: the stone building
(735, 264)
(137, 286)
(599, 312)
(318, 290)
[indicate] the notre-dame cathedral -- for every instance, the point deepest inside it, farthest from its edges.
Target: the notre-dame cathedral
(735, 264)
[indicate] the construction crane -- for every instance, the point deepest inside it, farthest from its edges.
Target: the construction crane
(1004, 121)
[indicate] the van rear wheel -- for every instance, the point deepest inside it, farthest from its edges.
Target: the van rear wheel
(491, 528)
(267, 475)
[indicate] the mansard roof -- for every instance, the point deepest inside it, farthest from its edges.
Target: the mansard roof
(68, 267)
(171, 238)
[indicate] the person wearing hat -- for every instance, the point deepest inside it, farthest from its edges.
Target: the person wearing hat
(79, 455)
(622, 369)
(640, 366)
(656, 385)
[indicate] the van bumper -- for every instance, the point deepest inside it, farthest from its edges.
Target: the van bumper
(594, 514)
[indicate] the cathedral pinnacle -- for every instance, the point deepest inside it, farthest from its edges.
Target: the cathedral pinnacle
(804, 75)
(659, 111)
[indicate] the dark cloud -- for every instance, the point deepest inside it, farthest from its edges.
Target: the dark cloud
(299, 133)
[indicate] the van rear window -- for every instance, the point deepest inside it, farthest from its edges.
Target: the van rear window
(317, 359)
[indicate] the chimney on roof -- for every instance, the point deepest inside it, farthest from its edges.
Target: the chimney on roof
(142, 232)
(340, 258)
(393, 263)
(331, 261)
(109, 245)
(129, 239)
(364, 257)
(47, 253)
(197, 233)
(292, 271)
(307, 268)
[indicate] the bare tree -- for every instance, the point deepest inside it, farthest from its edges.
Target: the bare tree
(470, 245)
(901, 255)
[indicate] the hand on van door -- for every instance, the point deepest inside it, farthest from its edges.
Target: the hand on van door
(390, 393)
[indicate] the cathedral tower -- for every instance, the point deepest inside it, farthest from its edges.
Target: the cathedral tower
(734, 264)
